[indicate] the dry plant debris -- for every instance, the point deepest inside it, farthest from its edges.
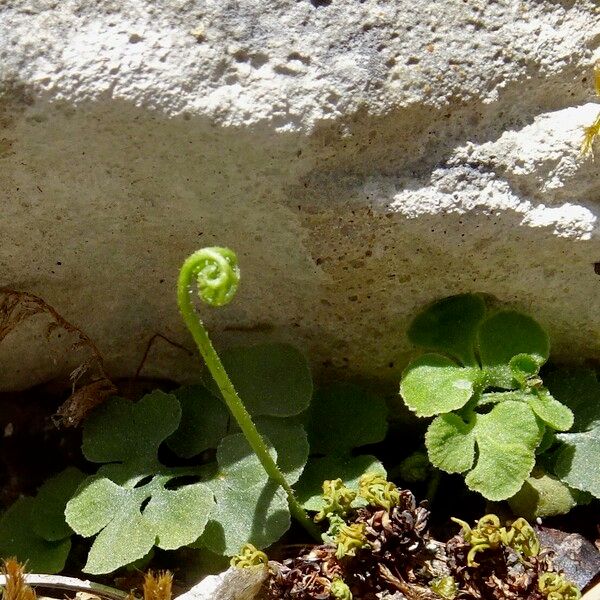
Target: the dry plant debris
(15, 308)
(158, 586)
(16, 588)
(378, 548)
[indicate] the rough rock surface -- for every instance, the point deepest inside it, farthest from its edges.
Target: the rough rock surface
(362, 157)
(233, 584)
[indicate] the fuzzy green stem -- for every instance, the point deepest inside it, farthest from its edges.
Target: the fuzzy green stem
(215, 272)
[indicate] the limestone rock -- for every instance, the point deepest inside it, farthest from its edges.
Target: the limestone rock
(363, 158)
(233, 584)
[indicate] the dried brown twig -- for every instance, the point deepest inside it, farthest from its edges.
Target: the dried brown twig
(158, 336)
(15, 308)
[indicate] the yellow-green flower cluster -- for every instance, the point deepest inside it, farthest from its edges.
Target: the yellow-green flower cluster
(521, 537)
(445, 587)
(490, 535)
(249, 556)
(337, 500)
(378, 491)
(340, 590)
(349, 539)
(556, 587)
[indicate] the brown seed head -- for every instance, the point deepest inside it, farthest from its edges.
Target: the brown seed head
(16, 588)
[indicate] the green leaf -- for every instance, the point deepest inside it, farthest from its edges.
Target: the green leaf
(136, 503)
(48, 516)
(501, 443)
(347, 468)
(204, 420)
(506, 441)
(505, 335)
(250, 507)
(434, 384)
(126, 538)
(95, 504)
(271, 379)
(579, 389)
(577, 461)
(523, 367)
(130, 521)
(450, 443)
(179, 516)
(343, 417)
(415, 467)
(290, 442)
(550, 410)
(543, 495)
(450, 326)
(548, 440)
(18, 539)
(121, 430)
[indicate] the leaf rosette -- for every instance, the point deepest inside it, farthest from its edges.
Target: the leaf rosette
(480, 380)
(135, 502)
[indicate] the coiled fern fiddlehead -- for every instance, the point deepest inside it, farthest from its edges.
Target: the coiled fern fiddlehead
(215, 273)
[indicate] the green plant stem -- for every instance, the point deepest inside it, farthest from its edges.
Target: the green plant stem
(233, 401)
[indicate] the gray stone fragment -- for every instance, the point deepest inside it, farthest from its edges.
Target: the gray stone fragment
(573, 554)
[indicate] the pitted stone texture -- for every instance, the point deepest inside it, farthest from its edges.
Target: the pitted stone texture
(363, 158)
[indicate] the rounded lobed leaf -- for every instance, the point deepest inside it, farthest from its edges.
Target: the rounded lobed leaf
(126, 529)
(434, 384)
(48, 517)
(577, 461)
(178, 517)
(542, 495)
(343, 417)
(450, 443)
(126, 538)
(18, 539)
(239, 464)
(506, 441)
(129, 505)
(523, 367)
(507, 334)
(290, 442)
(450, 326)
(271, 379)
(95, 504)
(579, 389)
(204, 421)
(258, 515)
(249, 506)
(551, 411)
(121, 430)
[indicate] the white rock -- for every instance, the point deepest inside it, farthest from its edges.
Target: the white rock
(363, 158)
(233, 584)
